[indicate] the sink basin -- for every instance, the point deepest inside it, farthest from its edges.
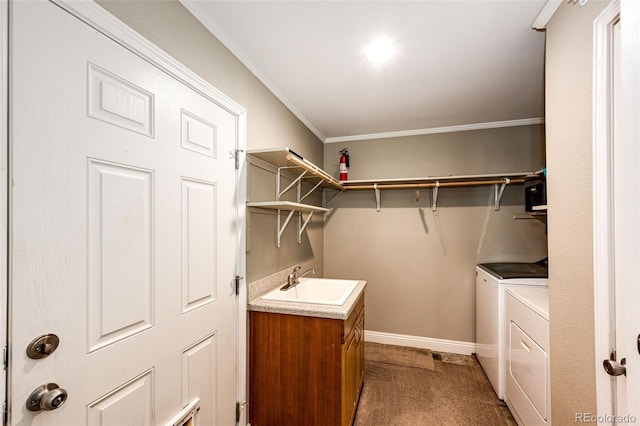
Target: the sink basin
(322, 291)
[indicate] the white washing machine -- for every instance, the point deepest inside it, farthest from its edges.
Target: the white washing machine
(528, 391)
(491, 280)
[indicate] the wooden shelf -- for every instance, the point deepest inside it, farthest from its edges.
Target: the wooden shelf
(286, 159)
(450, 180)
(499, 180)
(286, 205)
(275, 156)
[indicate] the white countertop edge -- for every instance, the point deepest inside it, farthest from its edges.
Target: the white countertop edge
(340, 312)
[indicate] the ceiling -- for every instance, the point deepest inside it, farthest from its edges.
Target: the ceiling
(459, 64)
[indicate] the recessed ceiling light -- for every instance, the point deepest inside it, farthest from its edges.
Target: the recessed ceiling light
(380, 51)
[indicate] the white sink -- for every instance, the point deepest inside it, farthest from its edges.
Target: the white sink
(322, 291)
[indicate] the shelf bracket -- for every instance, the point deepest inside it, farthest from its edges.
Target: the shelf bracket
(310, 192)
(498, 191)
(434, 202)
(303, 226)
(291, 185)
(284, 226)
(377, 192)
(327, 202)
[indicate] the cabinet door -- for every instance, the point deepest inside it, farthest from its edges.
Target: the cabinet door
(359, 356)
(349, 361)
(352, 369)
(295, 370)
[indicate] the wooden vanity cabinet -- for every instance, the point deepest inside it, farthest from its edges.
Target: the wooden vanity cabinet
(305, 370)
(352, 369)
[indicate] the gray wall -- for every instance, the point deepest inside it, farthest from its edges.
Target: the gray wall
(569, 64)
(270, 124)
(419, 264)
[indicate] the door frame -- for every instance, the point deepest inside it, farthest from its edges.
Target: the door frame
(98, 18)
(603, 267)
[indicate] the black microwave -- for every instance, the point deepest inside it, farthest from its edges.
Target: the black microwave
(535, 195)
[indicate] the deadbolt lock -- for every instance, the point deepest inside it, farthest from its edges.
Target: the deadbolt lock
(46, 398)
(43, 346)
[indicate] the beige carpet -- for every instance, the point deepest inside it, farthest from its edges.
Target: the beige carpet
(399, 355)
(449, 390)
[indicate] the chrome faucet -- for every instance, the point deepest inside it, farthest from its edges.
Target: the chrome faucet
(294, 278)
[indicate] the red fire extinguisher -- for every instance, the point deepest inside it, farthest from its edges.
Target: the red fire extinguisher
(344, 163)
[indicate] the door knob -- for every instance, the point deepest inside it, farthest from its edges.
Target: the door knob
(46, 398)
(614, 368)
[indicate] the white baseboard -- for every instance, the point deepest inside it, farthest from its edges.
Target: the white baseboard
(438, 345)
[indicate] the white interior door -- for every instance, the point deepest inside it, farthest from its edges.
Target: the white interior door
(123, 231)
(616, 212)
(627, 158)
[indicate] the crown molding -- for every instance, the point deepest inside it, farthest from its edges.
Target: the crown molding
(199, 10)
(543, 18)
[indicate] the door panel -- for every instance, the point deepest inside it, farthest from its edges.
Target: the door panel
(133, 401)
(199, 376)
(122, 231)
(120, 270)
(199, 243)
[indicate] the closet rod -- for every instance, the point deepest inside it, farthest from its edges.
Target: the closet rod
(434, 184)
(311, 168)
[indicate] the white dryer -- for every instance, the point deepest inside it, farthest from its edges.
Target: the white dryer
(491, 280)
(528, 391)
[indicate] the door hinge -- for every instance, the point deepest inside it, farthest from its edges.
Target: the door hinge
(5, 357)
(239, 407)
(237, 280)
(5, 412)
(236, 153)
